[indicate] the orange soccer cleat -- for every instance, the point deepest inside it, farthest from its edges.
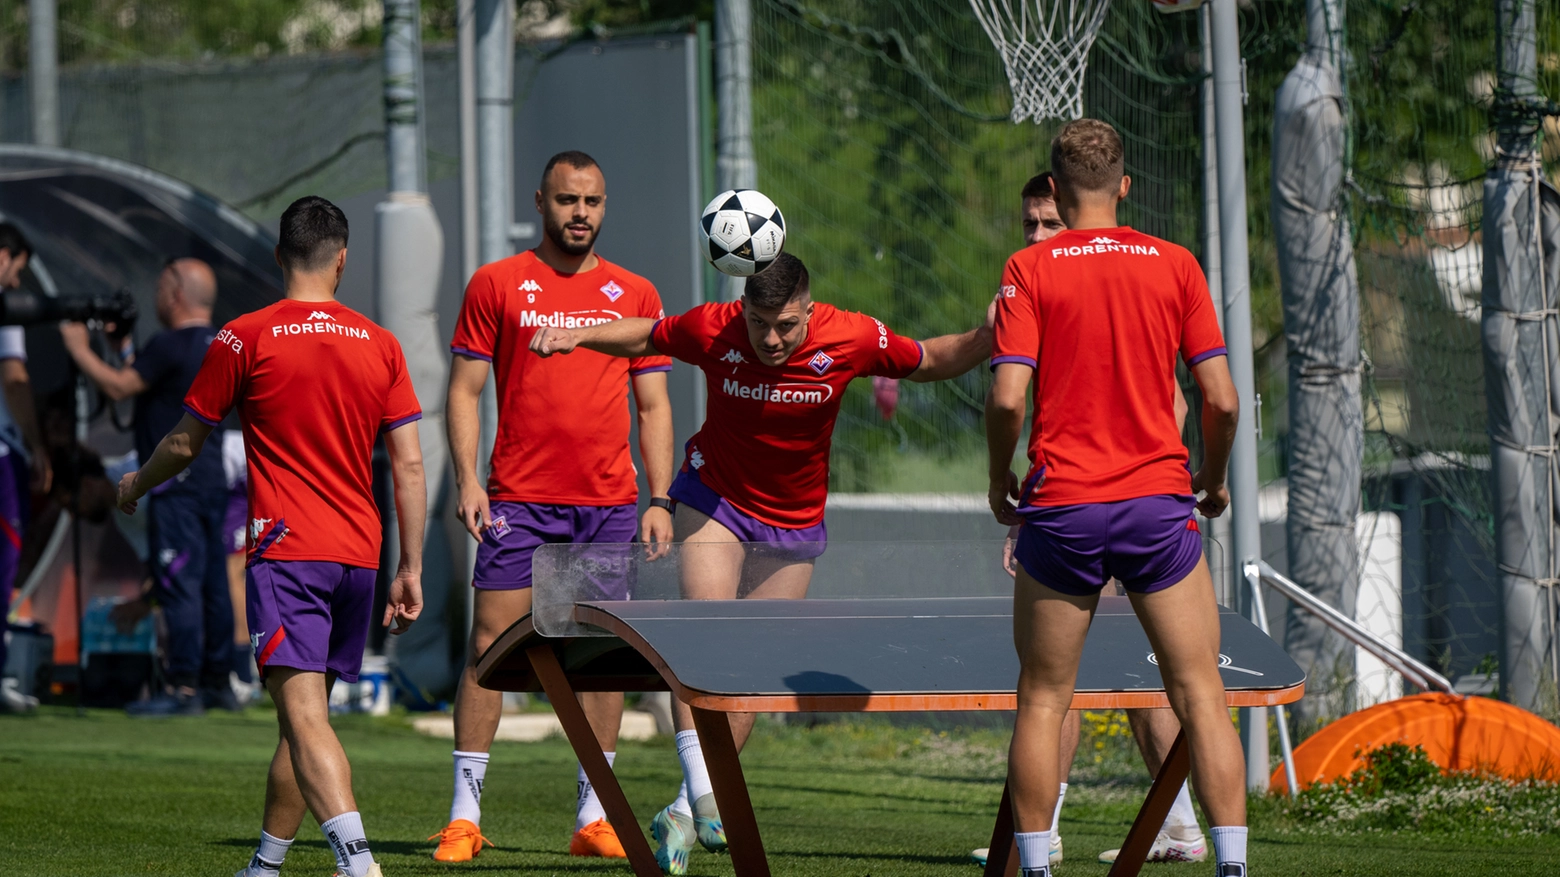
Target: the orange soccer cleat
(597, 839)
(460, 841)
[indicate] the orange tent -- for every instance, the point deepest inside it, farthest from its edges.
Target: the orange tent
(1460, 734)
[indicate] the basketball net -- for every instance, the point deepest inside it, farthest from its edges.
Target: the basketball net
(1045, 48)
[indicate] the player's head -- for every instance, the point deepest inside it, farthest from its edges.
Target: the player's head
(313, 239)
(14, 253)
(1088, 165)
(572, 201)
(187, 288)
(1041, 221)
(776, 305)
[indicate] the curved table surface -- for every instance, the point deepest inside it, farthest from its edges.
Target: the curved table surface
(947, 653)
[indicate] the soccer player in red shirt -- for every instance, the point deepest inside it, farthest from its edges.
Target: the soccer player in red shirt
(561, 469)
(1096, 316)
(315, 384)
(776, 366)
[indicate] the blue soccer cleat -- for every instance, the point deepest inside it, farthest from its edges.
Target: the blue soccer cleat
(706, 823)
(676, 836)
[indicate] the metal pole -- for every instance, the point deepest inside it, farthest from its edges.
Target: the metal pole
(734, 164)
(495, 71)
(403, 62)
(1218, 529)
(466, 63)
(43, 71)
(1246, 530)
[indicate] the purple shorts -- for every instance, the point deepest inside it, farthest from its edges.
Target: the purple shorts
(804, 543)
(310, 615)
(1148, 544)
(519, 528)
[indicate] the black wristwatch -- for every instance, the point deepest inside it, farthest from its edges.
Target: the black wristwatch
(662, 502)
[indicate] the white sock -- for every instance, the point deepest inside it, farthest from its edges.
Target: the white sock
(1056, 817)
(681, 805)
(267, 861)
(588, 807)
(1034, 853)
(470, 770)
(345, 835)
(1181, 822)
(1229, 849)
(694, 770)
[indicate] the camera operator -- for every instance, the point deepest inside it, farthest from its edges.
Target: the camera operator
(188, 544)
(24, 461)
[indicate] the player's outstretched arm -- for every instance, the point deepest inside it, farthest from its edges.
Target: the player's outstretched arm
(174, 454)
(411, 512)
(948, 356)
(1004, 425)
(1221, 412)
(467, 375)
(628, 337)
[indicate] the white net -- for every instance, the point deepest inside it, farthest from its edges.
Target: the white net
(1044, 46)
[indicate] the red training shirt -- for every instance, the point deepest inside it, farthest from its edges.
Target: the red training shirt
(764, 445)
(314, 384)
(1101, 314)
(563, 422)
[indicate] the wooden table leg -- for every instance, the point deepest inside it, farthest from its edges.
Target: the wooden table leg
(1002, 857)
(577, 728)
(1151, 817)
(731, 793)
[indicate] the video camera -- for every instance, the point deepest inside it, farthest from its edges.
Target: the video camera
(20, 307)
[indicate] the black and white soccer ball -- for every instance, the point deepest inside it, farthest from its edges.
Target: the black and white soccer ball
(743, 232)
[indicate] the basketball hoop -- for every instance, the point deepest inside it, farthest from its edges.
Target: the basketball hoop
(1044, 46)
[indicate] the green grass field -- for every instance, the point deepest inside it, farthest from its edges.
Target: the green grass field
(107, 795)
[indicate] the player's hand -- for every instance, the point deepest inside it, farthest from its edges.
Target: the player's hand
(991, 312)
(655, 530)
(475, 514)
(75, 336)
(1008, 546)
(128, 495)
(549, 340)
(1001, 496)
(128, 614)
(1216, 497)
(405, 602)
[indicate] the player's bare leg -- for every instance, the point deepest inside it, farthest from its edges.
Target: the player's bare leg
(1182, 623)
(477, 709)
(1049, 628)
(1181, 838)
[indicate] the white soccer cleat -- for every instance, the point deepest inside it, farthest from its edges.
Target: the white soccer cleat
(1167, 849)
(979, 856)
(12, 700)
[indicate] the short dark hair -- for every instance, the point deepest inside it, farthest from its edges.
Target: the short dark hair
(571, 157)
(313, 231)
(784, 279)
(1039, 186)
(13, 241)
(1087, 155)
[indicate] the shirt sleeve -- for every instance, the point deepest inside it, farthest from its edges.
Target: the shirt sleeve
(1200, 335)
(13, 343)
(679, 335)
(401, 406)
(481, 313)
(1017, 333)
(152, 362)
(649, 306)
(887, 353)
(220, 382)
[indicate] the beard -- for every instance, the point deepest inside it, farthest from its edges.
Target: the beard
(557, 233)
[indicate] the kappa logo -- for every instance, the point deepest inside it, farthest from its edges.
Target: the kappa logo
(254, 641)
(320, 315)
(821, 361)
(1102, 240)
(167, 556)
(612, 291)
(257, 527)
(530, 286)
(696, 460)
(732, 357)
(500, 528)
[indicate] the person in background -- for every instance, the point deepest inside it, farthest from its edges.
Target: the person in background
(188, 546)
(24, 461)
